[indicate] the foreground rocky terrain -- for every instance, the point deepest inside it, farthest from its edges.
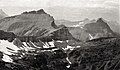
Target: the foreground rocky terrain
(97, 54)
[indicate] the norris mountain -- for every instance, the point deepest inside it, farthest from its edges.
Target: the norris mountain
(34, 23)
(27, 23)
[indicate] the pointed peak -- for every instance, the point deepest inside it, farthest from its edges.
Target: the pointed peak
(41, 11)
(100, 20)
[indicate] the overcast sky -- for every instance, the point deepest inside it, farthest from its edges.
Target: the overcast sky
(70, 3)
(11, 6)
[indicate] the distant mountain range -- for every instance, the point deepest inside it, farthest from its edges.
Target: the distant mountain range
(66, 22)
(77, 14)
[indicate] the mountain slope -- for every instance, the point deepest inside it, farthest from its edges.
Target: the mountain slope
(102, 54)
(28, 23)
(2, 14)
(35, 23)
(99, 29)
(92, 30)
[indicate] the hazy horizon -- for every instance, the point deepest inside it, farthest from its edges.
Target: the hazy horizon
(15, 7)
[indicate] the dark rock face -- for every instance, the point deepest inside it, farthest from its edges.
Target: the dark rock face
(101, 54)
(41, 11)
(7, 35)
(48, 60)
(10, 66)
(36, 24)
(61, 33)
(28, 24)
(79, 33)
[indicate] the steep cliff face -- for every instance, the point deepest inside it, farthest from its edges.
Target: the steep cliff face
(99, 29)
(79, 33)
(35, 23)
(28, 23)
(115, 26)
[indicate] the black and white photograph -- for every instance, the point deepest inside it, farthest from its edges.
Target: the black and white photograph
(59, 34)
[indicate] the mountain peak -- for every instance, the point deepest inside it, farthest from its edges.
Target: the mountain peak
(100, 20)
(41, 11)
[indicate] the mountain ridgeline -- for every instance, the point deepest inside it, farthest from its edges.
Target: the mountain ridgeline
(35, 23)
(40, 24)
(86, 45)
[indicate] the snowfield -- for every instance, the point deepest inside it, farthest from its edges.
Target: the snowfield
(3, 48)
(4, 44)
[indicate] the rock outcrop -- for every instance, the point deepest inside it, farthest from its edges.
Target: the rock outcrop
(7, 36)
(33, 25)
(28, 24)
(99, 54)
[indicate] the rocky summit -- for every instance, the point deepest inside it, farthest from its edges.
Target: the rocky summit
(28, 23)
(35, 23)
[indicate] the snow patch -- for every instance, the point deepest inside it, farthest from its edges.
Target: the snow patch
(3, 48)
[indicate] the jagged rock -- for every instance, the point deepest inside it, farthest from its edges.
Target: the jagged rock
(47, 60)
(79, 33)
(35, 23)
(97, 52)
(28, 24)
(7, 35)
(41, 11)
